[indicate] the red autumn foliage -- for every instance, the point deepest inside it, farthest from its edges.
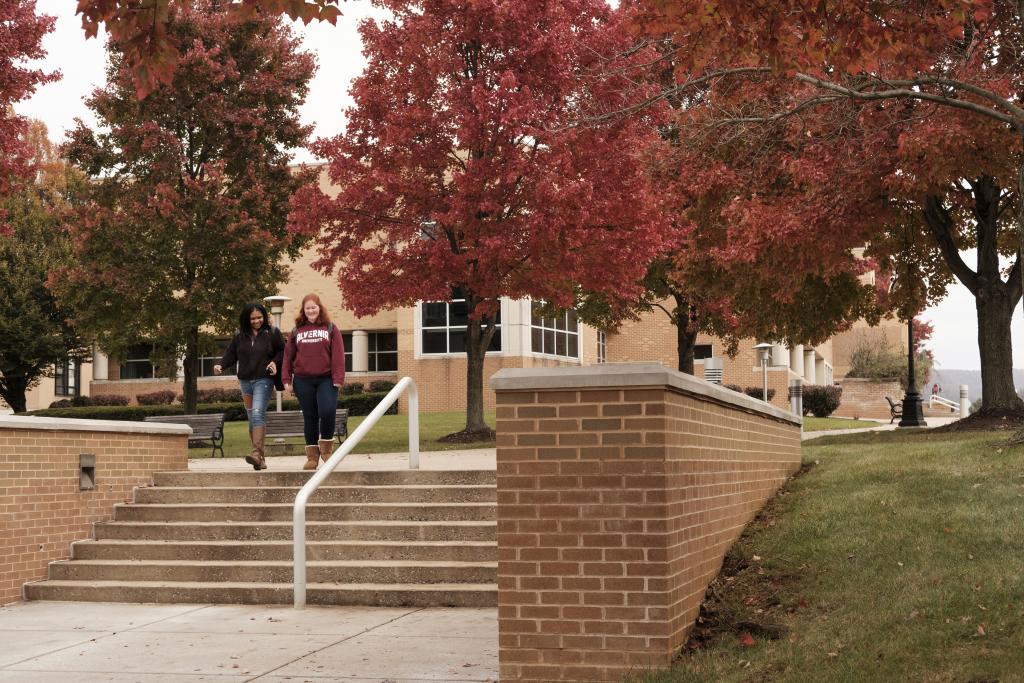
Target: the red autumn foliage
(842, 124)
(21, 36)
(459, 169)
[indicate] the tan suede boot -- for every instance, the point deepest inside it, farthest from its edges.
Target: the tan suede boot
(326, 448)
(312, 458)
(257, 457)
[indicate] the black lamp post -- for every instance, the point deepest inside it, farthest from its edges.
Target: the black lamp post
(913, 412)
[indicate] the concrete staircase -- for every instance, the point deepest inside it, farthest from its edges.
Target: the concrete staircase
(385, 538)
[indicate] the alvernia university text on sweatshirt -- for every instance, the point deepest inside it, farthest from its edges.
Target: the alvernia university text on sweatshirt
(315, 351)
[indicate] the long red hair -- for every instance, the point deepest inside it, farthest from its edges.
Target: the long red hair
(322, 319)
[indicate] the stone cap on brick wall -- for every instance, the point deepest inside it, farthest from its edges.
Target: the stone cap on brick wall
(632, 375)
(64, 424)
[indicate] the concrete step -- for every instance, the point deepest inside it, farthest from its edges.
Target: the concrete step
(413, 493)
(296, 478)
(372, 594)
(273, 512)
(339, 572)
(383, 530)
(442, 551)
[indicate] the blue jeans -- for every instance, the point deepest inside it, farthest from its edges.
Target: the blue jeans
(260, 390)
(318, 399)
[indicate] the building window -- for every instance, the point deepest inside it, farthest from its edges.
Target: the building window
(602, 347)
(383, 351)
(443, 328)
(558, 336)
(136, 363)
(66, 378)
(701, 351)
(206, 363)
(346, 339)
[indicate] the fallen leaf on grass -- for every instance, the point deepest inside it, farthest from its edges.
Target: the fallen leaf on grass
(747, 640)
(981, 630)
(756, 558)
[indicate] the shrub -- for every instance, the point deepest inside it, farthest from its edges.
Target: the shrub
(821, 401)
(216, 395)
(755, 392)
(360, 404)
(103, 400)
(78, 401)
(353, 388)
(156, 398)
(875, 358)
(382, 386)
(61, 403)
(733, 387)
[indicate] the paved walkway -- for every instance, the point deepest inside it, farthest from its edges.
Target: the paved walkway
(43, 642)
(469, 459)
(931, 422)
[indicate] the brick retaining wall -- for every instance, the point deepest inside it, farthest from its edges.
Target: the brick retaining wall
(42, 509)
(620, 488)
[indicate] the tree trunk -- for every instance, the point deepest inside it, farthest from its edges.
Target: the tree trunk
(478, 338)
(994, 299)
(191, 361)
(13, 390)
(995, 310)
(686, 336)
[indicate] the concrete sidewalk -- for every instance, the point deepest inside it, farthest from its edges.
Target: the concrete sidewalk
(120, 643)
(468, 459)
(930, 421)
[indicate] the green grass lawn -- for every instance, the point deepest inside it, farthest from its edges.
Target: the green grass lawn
(389, 435)
(822, 424)
(893, 557)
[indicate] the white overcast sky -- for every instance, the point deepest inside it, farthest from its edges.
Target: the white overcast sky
(337, 49)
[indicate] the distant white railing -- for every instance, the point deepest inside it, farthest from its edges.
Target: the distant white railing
(944, 402)
(299, 513)
(963, 407)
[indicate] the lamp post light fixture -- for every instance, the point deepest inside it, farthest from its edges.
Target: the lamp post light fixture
(763, 350)
(913, 412)
(276, 309)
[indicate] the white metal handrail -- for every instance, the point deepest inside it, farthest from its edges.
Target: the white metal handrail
(945, 402)
(299, 513)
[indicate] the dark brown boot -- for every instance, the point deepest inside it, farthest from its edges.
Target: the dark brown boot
(257, 458)
(326, 448)
(312, 458)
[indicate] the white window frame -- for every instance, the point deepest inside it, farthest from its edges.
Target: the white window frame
(602, 346)
(418, 328)
(554, 329)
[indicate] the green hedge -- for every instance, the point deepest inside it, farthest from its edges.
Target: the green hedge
(359, 404)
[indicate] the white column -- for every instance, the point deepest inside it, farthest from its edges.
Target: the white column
(780, 356)
(179, 372)
(965, 402)
(360, 351)
(99, 364)
(819, 372)
(809, 366)
(796, 359)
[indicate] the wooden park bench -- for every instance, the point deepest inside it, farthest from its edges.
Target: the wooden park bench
(207, 430)
(289, 423)
(895, 409)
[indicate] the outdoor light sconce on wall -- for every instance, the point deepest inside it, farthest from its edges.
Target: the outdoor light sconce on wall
(87, 471)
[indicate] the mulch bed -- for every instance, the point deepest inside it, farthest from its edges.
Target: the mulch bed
(985, 421)
(467, 436)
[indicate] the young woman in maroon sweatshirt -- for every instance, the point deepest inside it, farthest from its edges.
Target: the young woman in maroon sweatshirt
(314, 364)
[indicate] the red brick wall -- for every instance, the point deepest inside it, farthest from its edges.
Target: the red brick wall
(866, 398)
(41, 506)
(616, 506)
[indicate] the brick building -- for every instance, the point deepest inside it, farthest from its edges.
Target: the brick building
(424, 342)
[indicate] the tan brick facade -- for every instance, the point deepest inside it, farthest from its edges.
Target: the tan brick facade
(42, 508)
(618, 497)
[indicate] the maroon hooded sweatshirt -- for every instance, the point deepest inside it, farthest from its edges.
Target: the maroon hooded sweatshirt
(314, 351)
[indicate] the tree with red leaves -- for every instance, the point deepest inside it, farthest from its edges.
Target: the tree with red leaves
(21, 38)
(187, 211)
(883, 117)
(152, 52)
(458, 171)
